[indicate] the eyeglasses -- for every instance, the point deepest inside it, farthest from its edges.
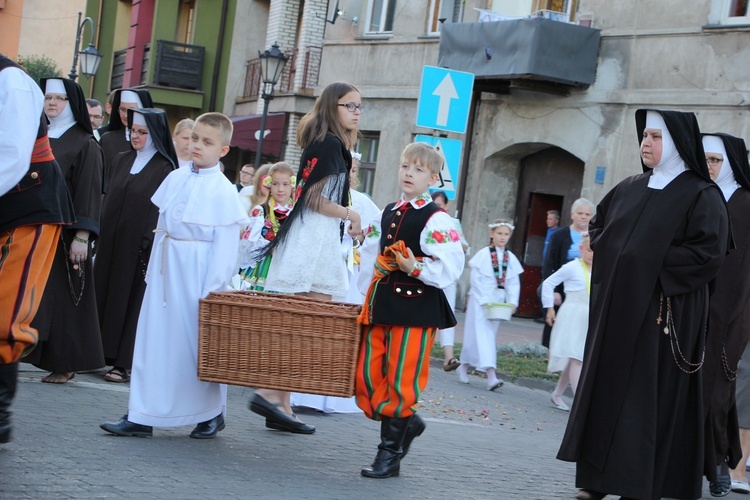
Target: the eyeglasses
(246, 173)
(96, 117)
(56, 98)
(353, 107)
(712, 160)
(136, 131)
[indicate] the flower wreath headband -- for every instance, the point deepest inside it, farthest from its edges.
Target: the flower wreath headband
(267, 181)
(501, 224)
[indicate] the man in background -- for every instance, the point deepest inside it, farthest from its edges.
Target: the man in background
(246, 177)
(96, 114)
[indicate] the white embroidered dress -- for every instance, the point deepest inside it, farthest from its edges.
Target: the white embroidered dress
(306, 261)
(480, 333)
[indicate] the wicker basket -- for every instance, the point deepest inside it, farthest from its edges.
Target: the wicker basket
(498, 310)
(283, 342)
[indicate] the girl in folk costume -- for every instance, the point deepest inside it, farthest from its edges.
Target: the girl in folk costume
(67, 322)
(570, 324)
(350, 248)
(267, 219)
(304, 248)
(494, 279)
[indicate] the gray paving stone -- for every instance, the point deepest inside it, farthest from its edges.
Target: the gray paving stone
(477, 445)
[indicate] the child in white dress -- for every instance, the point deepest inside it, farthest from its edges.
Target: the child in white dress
(569, 327)
(495, 278)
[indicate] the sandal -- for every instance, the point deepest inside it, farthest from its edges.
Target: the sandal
(117, 375)
(451, 365)
(59, 378)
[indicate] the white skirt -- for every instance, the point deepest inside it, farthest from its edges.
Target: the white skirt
(326, 404)
(568, 337)
(309, 259)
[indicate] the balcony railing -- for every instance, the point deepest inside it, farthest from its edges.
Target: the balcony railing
(178, 65)
(310, 73)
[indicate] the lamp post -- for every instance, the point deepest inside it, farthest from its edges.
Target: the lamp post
(272, 63)
(90, 57)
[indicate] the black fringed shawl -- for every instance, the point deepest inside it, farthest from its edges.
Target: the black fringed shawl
(323, 173)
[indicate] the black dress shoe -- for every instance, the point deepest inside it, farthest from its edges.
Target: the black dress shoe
(290, 426)
(209, 428)
(125, 427)
(262, 406)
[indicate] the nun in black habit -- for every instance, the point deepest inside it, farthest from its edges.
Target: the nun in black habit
(128, 221)
(69, 338)
(728, 334)
(116, 138)
(636, 426)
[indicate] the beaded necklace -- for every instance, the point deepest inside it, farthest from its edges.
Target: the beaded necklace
(496, 267)
(276, 220)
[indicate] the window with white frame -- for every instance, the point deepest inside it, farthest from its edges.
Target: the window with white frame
(380, 15)
(367, 146)
(442, 11)
(737, 12)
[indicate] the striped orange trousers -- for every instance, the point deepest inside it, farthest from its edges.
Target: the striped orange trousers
(392, 369)
(26, 257)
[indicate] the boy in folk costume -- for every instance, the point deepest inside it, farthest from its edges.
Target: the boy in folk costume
(194, 253)
(410, 253)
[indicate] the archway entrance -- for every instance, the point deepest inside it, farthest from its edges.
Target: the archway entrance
(550, 179)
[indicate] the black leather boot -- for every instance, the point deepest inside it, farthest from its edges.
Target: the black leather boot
(388, 460)
(414, 429)
(8, 382)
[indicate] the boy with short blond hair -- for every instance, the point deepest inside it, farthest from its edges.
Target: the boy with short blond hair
(409, 254)
(194, 252)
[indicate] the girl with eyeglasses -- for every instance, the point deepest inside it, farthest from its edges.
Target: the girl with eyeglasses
(307, 249)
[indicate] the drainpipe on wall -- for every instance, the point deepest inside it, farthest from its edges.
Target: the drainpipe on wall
(219, 53)
(475, 98)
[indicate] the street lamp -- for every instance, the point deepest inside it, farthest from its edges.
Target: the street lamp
(272, 63)
(90, 57)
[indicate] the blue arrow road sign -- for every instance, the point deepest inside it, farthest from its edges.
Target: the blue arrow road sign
(444, 99)
(451, 149)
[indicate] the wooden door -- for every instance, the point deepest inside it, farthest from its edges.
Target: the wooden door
(550, 179)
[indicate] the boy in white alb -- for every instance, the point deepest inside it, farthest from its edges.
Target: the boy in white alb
(194, 253)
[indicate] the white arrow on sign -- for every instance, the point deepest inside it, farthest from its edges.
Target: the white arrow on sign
(445, 91)
(445, 179)
(265, 134)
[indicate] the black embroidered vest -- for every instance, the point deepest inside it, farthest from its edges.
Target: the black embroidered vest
(41, 196)
(401, 300)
